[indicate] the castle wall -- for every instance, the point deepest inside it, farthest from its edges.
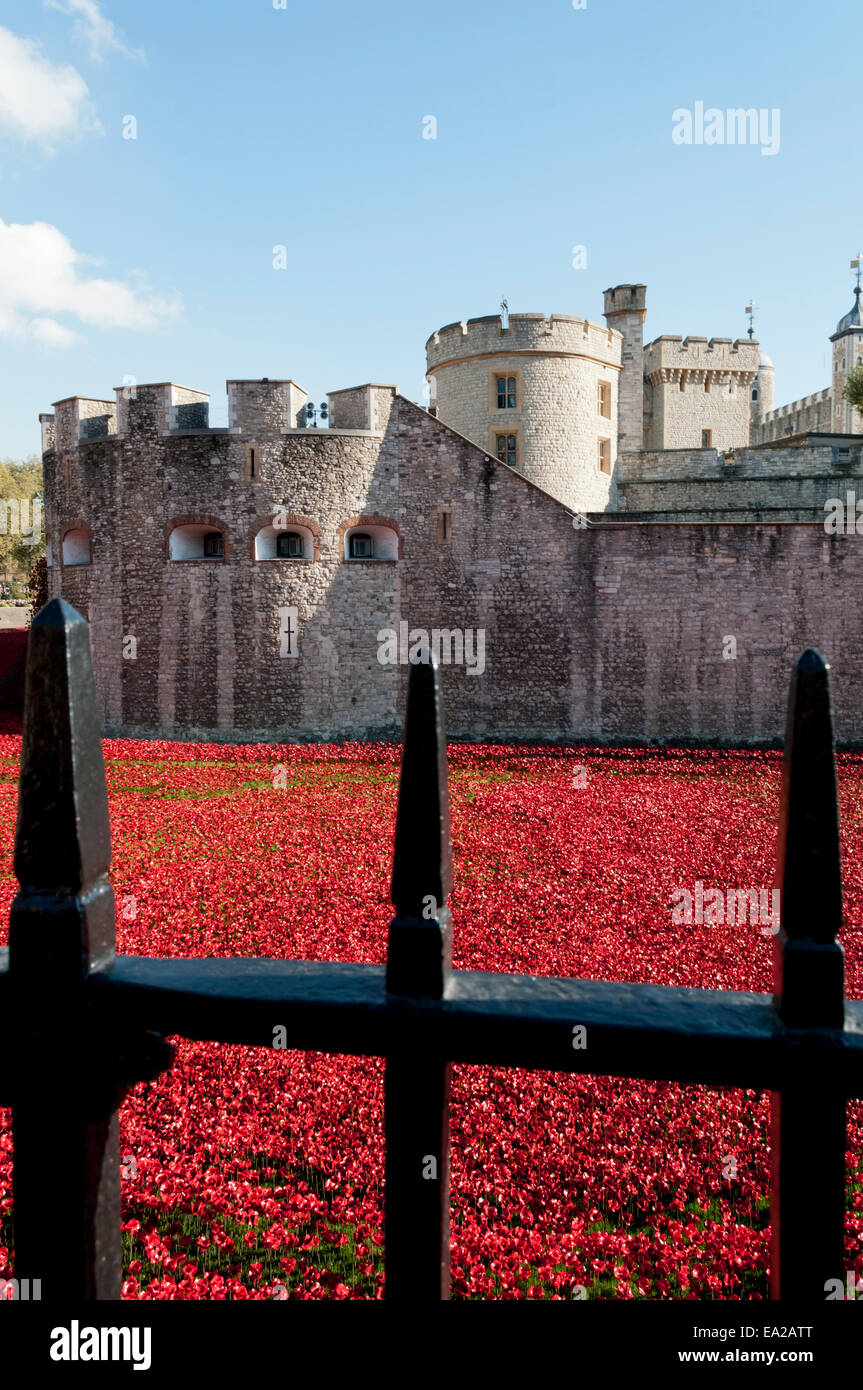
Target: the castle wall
(617, 632)
(208, 632)
(811, 415)
(612, 633)
(757, 484)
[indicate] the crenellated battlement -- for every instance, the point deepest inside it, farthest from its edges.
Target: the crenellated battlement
(78, 419)
(794, 407)
(625, 299)
(257, 409)
(670, 356)
(524, 333)
(264, 407)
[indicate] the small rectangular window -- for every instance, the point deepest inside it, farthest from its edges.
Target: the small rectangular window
(604, 399)
(707, 439)
(361, 547)
(444, 525)
(682, 382)
(506, 449)
(506, 393)
(289, 545)
(605, 455)
(707, 383)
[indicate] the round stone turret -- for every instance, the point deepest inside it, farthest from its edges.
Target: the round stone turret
(540, 394)
(762, 393)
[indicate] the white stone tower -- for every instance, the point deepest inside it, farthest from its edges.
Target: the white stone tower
(847, 353)
(540, 394)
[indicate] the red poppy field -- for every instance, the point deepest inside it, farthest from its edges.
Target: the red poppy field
(257, 1173)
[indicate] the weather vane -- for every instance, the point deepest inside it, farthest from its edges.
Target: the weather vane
(504, 313)
(750, 310)
(856, 264)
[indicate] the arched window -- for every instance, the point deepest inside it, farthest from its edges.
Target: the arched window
(289, 545)
(196, 541)
(76, 547)
(278, 542)
(755, 393)
(371, 539)
(361, 546)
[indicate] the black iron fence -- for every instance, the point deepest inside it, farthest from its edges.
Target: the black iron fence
(83, 1025)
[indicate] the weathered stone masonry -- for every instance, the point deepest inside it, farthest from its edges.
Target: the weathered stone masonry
(609, 633)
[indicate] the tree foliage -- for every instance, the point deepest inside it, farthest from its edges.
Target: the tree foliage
(38, 585)
(22, 532)
(853, 391)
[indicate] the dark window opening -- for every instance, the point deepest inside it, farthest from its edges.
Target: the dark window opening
(213, 545)
(506, 396)
(193, 416)
(361, 546)
(506, 449)
(289, 545)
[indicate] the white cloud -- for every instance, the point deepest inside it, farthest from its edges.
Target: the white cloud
(98, 32)
(40, 100)
(40, 278)
(52, 333)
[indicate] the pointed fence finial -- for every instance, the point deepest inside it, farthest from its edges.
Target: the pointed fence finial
(63, 840)
(420, 942)
(61, 933)
(809, 961)
(808, 1129)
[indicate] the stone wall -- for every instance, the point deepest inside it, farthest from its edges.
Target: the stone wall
(208, 632)
(757, 484)
(611, 633)
(811, 415)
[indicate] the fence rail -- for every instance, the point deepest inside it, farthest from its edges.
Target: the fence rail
(87, 1024)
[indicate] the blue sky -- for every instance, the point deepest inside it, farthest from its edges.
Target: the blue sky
(302, 127)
